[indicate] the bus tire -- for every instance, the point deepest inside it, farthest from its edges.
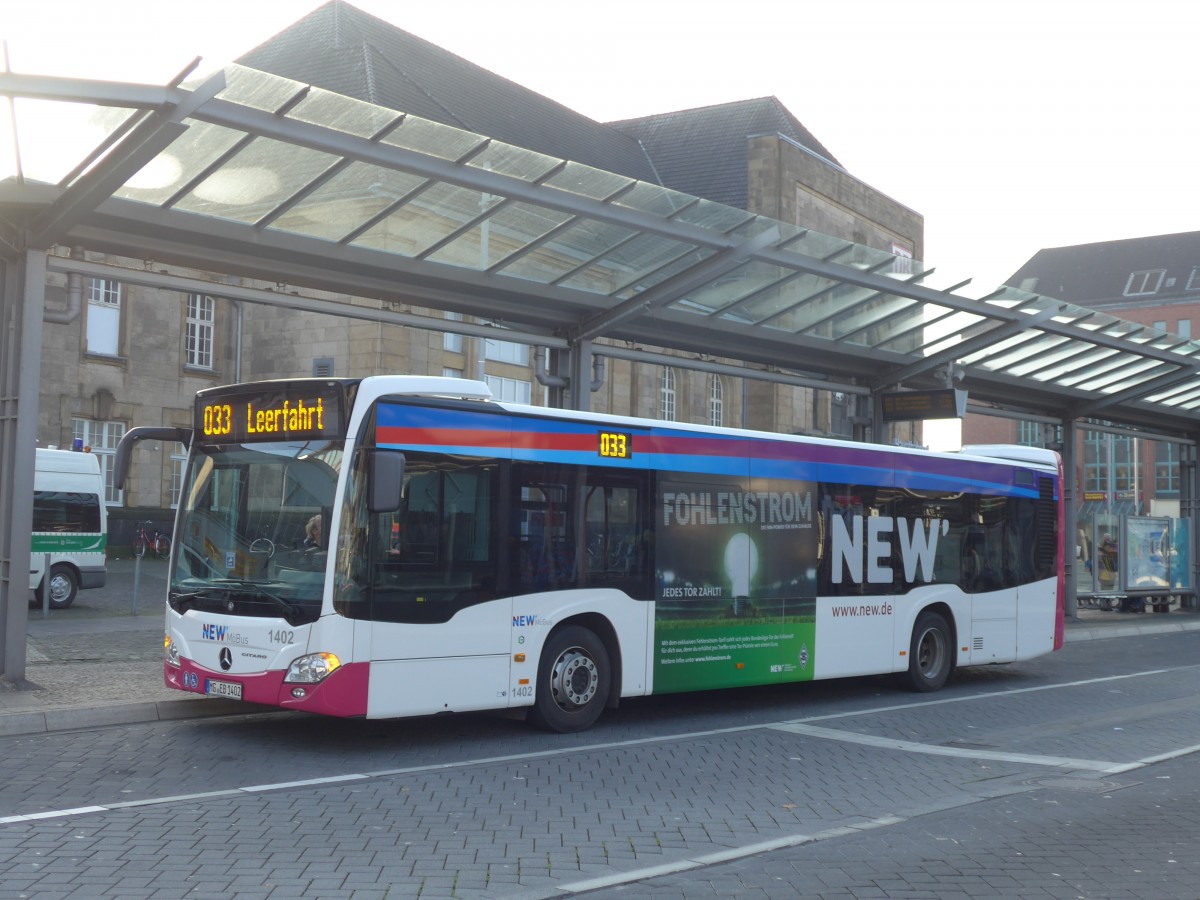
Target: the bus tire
(930, 654)
(574, 677)
(64, 585)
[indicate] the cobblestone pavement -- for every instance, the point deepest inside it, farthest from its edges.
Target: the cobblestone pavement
(1068, 777)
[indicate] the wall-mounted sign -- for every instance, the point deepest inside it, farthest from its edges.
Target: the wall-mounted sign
(904, 406)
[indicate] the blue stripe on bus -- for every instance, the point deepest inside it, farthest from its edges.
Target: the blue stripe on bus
(673, 450)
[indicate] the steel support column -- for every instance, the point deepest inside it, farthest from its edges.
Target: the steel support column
(22, 302)
(1070, 460)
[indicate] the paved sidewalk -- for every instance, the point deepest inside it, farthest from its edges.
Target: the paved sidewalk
(100, 661)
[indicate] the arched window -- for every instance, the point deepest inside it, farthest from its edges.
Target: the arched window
(716, 400)
(666, 395)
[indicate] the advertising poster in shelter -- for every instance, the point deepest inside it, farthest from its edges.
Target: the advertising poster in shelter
(736, 582)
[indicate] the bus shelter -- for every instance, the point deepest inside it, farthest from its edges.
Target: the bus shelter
(366, 201)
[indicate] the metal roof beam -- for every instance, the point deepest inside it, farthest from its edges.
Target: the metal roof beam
(675, 287)
(123, 161)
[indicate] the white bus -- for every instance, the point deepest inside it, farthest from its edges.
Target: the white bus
(70, 523)
(476, 555)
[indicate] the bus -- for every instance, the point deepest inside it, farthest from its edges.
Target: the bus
(480, 555)
(70, 526)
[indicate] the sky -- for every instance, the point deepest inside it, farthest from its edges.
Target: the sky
(1010, 126)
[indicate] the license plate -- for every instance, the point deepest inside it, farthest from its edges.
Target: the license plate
(223, 689)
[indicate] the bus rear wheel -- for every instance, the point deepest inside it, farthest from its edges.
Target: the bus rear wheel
(64, 585)
(930, 654)
(574, 676)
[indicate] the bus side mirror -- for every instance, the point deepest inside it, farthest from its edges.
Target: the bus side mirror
(385, 477)
(124, 455)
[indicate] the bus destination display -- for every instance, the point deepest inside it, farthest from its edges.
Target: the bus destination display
(275, 414)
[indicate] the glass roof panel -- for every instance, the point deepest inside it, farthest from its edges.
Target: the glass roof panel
(585, 240)
(715, 216)
(651, 198)
(871, 322)
(501, 235)
(187, 156)
(258, 90)
(351, 197)
(1141, 373)
(781, 299)
(634, 265)
(433, 139)
(256, 180)
(1094, 377)
(588, 182)
(1093, 357)
(505, 159)
(440, 211)
(1039, 351)
(903, 323)
(730, 289)
(1008, 353)
(343, 113)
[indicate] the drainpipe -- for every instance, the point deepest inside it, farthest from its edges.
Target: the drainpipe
(71, 311)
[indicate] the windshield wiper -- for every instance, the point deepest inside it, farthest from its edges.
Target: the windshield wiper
(289, 610)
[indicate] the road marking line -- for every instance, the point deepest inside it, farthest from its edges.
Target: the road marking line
(721, 856)
(1029, 759)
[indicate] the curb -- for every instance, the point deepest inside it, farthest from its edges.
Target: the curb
(73, 718)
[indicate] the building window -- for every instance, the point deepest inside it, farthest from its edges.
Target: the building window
(903, 263)
(1108, 463)
(1193, 282)
(104, 317)
(1183, 328)
(448, 372)
(450, 341)
(716, 401)
(1160, 325)
(506, 352)
(200, 317)
(102, 438)
(1142, 283)
(510, 390)
(1038, 434)
(666, 395)
(1166, 469)
(178, 459)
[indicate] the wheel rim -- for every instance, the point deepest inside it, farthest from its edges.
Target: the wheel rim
(931, 653)
(574, 679)
(60, 588)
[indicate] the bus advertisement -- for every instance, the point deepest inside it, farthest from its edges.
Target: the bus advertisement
(474, 555)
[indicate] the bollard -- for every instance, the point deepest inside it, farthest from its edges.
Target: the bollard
(137, 575)
(46, 587)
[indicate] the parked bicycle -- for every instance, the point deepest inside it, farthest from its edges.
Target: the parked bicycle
(156, 540)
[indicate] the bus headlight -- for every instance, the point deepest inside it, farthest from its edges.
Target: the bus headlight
(170, 651)
(312, 668)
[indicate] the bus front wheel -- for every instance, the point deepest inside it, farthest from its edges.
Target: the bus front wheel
(574, 676)
(930, 654)
(64, 585)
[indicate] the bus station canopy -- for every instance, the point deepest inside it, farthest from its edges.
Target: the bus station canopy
(249, 174)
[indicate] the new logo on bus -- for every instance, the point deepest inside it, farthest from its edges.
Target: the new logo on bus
(872, 546)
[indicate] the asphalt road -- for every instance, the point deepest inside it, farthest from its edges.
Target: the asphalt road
(1069, 776)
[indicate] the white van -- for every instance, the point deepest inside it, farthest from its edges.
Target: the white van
(70, 522)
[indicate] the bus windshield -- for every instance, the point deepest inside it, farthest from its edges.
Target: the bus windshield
(252, 532)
